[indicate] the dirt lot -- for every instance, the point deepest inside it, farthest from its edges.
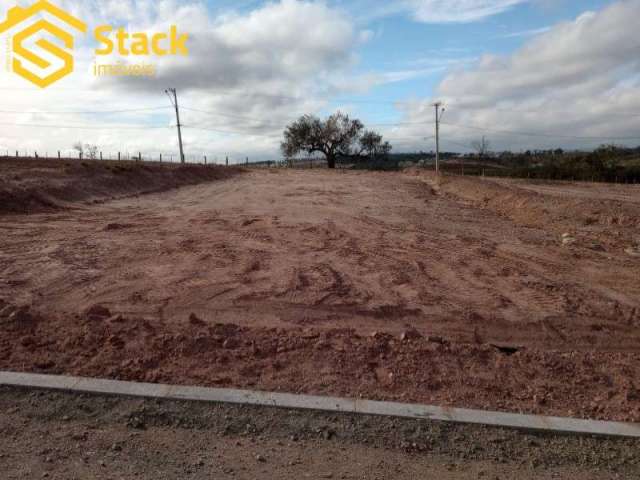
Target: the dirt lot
(306, 281)
(63, 437)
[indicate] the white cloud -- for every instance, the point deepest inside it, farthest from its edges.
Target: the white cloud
(431, 11)
(579, 79)
(526, 33)
(457, 11)
(253, 71)
(258, 70)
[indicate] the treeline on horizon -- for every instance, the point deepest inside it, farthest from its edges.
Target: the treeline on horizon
(607, 163)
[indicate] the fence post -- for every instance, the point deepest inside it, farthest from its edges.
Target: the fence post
(80, 155)
(17, 154)
(205, 159)
(118, 156)
(139, 156)
(58, 154)
(247, 161)
(160, 158)
(36, 154)
(100, 155)
(227, 162)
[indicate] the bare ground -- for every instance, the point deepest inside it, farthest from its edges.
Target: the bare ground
(305, 281)
(64, 436)
(30, 185)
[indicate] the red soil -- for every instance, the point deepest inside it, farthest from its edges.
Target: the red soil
(334, 362)
(289, 274)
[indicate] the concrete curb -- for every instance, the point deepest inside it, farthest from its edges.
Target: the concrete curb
(326, 404)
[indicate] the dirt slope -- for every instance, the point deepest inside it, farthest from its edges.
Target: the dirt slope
(601, 217)
(34, 185)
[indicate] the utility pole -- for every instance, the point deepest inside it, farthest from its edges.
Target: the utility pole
(174, 102)
(437, 106)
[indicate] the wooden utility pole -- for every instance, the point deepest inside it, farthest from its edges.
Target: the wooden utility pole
(173, 97)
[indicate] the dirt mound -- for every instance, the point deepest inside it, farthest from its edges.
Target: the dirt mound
(407, 368)
(17, 319)
(596, 223)
(34, 185)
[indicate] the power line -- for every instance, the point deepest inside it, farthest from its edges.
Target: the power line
(241, 117)
(213, 128)
(537, 134)
(229, 132)
(305, 98)
(411, 137)
(530, 110)
(282, 126)
(459, 144)
(400, 124)
(72, 112)
(87, 127)
(217, 114)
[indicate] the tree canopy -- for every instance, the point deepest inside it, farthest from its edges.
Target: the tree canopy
(337, 136)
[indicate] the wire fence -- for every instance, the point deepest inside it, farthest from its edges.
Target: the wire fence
(457, 166)
(129, 156)
(162, 158)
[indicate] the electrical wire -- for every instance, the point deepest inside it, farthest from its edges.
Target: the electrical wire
(87, 127)
(459, 144)
(537, 134)
(531, 110)
(217, 114)
(95, 112)
(215, 130)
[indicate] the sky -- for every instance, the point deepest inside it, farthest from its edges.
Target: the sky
(525, 74)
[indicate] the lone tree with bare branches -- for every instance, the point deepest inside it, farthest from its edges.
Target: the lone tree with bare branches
(337, 136)
(87, 150)
(481, 147)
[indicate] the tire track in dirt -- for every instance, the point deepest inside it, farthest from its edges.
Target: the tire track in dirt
(364, 250)
(304, 281)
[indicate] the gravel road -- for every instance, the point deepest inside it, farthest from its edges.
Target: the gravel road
(64, 437)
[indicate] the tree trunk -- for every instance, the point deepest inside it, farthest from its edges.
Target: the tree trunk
(331, 162)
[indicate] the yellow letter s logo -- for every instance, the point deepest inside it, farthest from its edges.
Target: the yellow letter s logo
(16, 16)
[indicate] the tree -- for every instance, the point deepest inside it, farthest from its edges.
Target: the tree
(337, 136)
(372, 146)
(79, 148)
(87, 150)
(481, 147)
(92, 151)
